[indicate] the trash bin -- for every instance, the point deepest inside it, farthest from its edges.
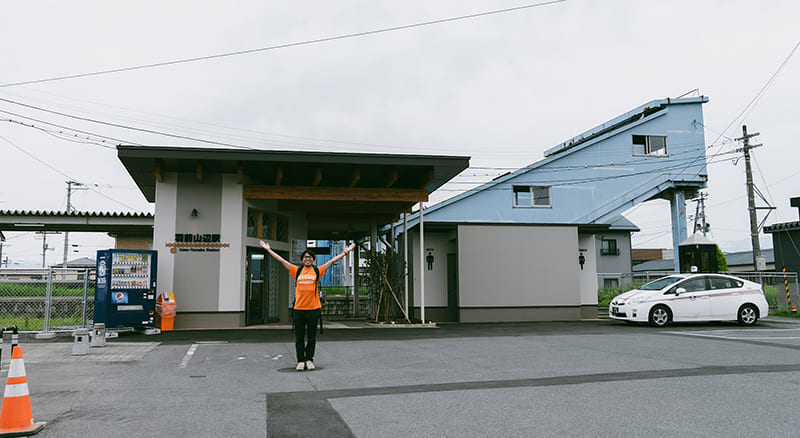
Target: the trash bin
(80, 342)
(98, 335)
(165, 311)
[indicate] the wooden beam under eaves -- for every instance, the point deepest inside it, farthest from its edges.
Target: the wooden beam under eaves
(361, 218)
(345, 206)
(317, 177)
(199, 172)
(239, 173)
(354, 178)
(278, 176)
(335, 193)
(390, 179)
(426, 179)
(159, 171)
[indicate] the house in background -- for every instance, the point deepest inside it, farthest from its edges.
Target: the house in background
(75, 269)
(740, 261)
(641, 255)
(528, 246)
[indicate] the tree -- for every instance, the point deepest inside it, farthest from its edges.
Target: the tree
(384, 278)
(722, 263)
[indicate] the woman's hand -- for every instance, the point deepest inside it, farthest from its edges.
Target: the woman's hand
(264, 245)
(350, 248)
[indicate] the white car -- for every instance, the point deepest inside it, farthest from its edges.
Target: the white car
(691, 297)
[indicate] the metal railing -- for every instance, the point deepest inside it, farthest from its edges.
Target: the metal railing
(46, 300)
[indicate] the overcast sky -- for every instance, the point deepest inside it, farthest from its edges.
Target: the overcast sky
(499, 88)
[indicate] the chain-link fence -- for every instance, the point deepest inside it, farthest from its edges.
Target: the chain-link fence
(46, 300)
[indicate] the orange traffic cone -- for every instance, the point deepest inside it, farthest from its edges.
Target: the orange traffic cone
(16, 417)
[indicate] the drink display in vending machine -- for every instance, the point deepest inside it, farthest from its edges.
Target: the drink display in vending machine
(125, 290)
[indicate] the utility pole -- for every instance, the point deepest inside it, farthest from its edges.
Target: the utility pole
(751, 200)
(69, 210)
(45, 246)
(700, 212)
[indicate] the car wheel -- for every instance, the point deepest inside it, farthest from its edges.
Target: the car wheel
(748, 314)
(659, 316)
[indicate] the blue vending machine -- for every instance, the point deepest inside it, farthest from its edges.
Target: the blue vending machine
(125, 290)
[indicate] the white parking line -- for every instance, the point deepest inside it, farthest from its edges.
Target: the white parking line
(188, 356)
(741, 334)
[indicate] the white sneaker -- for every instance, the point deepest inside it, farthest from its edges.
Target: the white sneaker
(301, 366)
(310, 365)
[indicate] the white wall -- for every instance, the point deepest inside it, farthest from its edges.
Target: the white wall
(197, 274)
(435, 279)
(164, 230)
(518, 265)
(233, 217)
(587, 277)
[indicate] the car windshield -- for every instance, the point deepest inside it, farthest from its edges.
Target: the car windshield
(661, 283)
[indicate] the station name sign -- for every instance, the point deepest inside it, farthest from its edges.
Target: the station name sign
(187, 242)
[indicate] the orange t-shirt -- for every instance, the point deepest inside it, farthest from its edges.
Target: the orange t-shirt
(305, 291)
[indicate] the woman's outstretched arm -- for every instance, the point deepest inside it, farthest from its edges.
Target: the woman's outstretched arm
(338, 257)
(274, 254)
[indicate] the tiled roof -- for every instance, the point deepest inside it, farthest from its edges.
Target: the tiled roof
(786, 226)
(73, 213)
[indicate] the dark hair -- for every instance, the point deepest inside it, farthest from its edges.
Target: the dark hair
(313, 256)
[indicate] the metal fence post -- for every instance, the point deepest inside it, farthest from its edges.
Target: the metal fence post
(796, 288)
(48, 301)
(85, 296)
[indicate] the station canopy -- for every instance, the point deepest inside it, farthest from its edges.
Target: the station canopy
(342, 194)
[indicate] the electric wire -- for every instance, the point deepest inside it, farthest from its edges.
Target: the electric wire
(281, 46)
(760, 93)
(64, 174)
(119, 141)
(116, 125)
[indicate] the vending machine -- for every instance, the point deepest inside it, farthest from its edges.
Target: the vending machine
(125, 290)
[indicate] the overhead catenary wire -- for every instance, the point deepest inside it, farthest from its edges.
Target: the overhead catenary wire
(282, 46)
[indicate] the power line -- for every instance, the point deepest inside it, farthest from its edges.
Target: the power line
(281, 46)
(57, 126)
(117, 125)
(64, 174)
(760, 93)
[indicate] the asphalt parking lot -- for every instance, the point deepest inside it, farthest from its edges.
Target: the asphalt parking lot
(582, 379)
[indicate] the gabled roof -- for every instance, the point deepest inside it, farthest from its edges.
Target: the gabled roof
(83, 262)
(641, 114)
(629, 117)
(697, 239)
(342, 194)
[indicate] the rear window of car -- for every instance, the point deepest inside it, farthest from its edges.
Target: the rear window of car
(725, 283)
(661, 283)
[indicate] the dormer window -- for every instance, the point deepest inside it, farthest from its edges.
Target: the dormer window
(531, 196)
(650, 145)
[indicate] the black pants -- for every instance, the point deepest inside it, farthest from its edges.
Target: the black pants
(305, 324)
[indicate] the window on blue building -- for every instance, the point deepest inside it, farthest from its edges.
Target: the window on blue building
(650, 145)
(609, 247)
(531, 196)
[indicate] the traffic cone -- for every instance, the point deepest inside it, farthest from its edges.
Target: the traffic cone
(16, 417)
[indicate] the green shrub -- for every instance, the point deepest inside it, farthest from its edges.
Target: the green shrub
(606, 295)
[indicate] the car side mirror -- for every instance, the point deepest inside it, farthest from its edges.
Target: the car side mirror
(679, 291)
